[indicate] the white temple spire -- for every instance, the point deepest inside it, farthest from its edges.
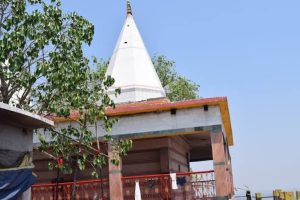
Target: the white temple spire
(131, 66)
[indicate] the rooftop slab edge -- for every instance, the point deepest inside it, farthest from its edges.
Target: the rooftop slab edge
(163, 105)
(149, 106)
(17, 112)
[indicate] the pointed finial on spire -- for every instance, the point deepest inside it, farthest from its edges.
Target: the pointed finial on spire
(129, 11)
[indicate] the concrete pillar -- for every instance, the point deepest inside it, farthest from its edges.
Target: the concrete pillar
(281, 195)
(115, 178)
(164, 160)
(229, 171)
(220, 165)
(276, 194)
(231, 177)
(258, 196)
(298, 195)
(289, 196)
(248, 195)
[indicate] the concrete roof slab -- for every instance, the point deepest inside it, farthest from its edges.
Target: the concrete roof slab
(22, 118)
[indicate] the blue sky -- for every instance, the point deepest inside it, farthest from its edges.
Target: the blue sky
(248, 51)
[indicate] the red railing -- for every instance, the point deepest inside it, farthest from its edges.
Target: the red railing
(91, 189)
(191, 185)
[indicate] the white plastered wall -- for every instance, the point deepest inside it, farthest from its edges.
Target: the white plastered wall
(159, 121)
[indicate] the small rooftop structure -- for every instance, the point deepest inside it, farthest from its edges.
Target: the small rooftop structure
(16, 128)
(16, 146)
(22, 118)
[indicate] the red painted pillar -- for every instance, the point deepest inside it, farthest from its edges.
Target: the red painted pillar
(229, 171)
(164, 160)
(220, 166)
(231, 178)
(115, 178)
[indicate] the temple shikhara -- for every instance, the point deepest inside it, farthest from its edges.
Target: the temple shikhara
(167, 137)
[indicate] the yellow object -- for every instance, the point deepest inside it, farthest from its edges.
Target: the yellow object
(276, 193)
(289, 196)
(258, 195)
(281, 195)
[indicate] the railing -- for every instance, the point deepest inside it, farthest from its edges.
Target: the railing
(191, 185)
(92, 189)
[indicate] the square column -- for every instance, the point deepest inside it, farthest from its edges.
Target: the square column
(220, 166)
(230, 175)
(229, 169)
(115, 177)
(164, 157)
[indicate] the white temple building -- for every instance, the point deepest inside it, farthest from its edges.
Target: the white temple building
(167, 137)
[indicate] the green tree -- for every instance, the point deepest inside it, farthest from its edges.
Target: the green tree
(43, 69)
(177, 87)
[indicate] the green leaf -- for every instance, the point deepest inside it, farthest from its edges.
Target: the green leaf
(177, 87)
